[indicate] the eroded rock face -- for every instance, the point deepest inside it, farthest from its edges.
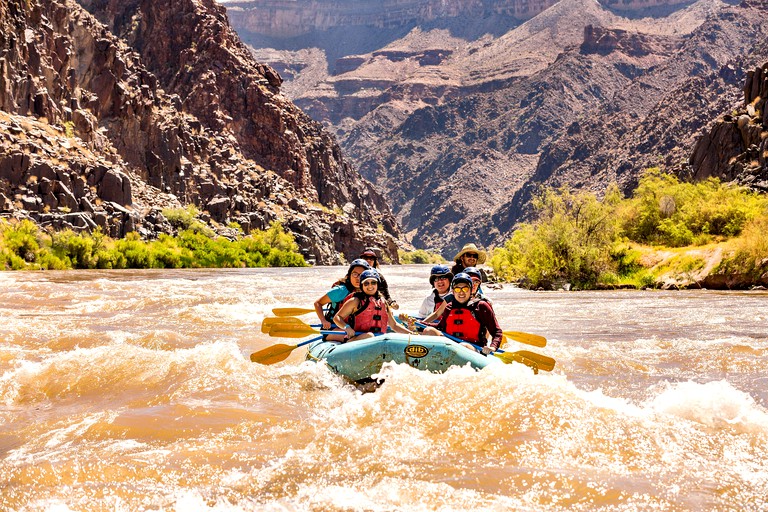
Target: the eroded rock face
(106, 118)
(736, 147)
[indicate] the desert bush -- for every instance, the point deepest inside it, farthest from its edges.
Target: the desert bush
(419, 256)
(666, 211)
(570, 240)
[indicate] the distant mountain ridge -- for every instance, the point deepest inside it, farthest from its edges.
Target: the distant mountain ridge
(459, 132)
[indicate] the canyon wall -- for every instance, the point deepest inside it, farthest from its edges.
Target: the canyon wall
(291, 18)
(110, 114)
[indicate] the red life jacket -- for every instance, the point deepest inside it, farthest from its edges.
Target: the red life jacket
(461, 323)
(371, 315)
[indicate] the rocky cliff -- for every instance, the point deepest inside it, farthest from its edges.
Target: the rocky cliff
(109, 114)
(735, 148)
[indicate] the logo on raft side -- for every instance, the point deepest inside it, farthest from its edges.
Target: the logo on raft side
(416, 351)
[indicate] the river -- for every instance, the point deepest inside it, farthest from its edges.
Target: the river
(132, 390)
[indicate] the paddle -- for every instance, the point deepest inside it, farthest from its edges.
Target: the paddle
(527, 338)
(268, 322)
(277, 353)
(291, 311)
(296, 330)
(531, 359)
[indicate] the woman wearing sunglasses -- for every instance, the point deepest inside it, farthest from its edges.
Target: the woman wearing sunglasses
(366, 311)
(369, 255)
(469, 319)
(341, 291)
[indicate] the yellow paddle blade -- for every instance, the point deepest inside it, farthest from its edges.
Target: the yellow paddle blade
(535, 361)
(292, 330)
(527, 338)
(268, 322)
(273, 354)
(291, 311)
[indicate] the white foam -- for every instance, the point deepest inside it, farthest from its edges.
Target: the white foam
(715, 404)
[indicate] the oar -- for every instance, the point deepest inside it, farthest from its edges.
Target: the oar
(268, 322)
(277, 353)
(527, 338)
(291, 311)
(535, 361)
(532, 359)
(296, 330)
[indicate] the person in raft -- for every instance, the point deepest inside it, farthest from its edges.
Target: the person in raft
(469, 256)
(440, 278)
(370, 256)
(342, 289)
(470, 319)
(477, 280)
(367, 311)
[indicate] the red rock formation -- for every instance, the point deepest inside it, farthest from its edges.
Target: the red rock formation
(173, 111)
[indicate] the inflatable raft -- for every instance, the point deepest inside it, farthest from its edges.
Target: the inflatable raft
(359, 360)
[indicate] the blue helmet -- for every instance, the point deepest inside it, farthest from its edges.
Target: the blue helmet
(370, 274)
(462, 277)
(439, 271)
(473, 272)
(358, 263)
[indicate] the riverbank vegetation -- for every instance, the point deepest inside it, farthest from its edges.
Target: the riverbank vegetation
(419, 256)
(23, 245)
(667, 234)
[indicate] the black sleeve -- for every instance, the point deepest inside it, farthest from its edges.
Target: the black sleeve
(384, 288)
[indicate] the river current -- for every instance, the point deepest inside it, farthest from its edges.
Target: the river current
(133, 390)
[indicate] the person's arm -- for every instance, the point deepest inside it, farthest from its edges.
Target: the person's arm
(319, 303)
(340, 318)
(488, 319)
(384, 290)
(395, 325)
(435, 314)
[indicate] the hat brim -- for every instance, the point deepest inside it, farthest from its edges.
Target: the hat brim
(481, 256)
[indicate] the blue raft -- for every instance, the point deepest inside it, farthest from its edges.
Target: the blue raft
(358, 361)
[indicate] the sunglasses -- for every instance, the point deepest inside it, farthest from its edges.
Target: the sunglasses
(471, 255)
(370, 282)
(461, 289)
(441, 278)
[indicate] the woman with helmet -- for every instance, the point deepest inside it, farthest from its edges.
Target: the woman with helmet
(370, 256)
(477, 279)
(440, 278)
(366, 311)
(342, 289)
(469, 319)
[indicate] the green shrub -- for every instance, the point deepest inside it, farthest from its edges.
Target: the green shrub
(665, 211)
(570, 240)
(419, 256)
(23, 246)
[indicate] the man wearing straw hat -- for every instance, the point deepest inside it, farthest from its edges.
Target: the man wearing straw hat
(469, 256)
